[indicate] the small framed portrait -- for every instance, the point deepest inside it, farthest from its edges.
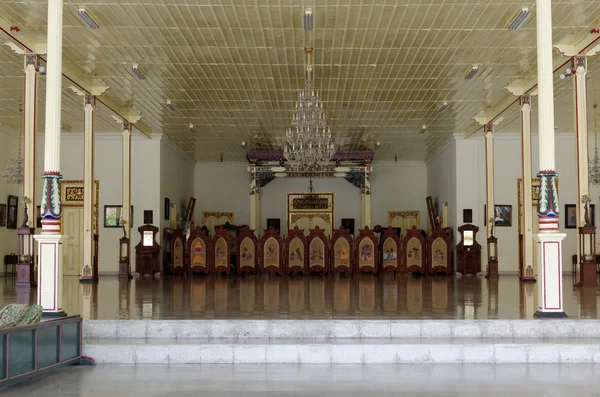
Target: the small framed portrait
(38, 219)
(571, 215)
(502, 215)
(11, 215)
(2, 215)
(112, 215)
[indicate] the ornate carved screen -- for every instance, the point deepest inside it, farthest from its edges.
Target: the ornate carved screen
(212, 219)
(404, 220)
(310, 210)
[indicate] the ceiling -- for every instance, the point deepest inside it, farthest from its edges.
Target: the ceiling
(233, 68)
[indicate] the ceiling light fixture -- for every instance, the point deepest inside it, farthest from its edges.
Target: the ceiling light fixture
(170, 105)
(377, 144)
(519, 20)
(423, 129)
(244, 144)
(137, 72)
(472, 73)
(87, 19)
(568, 72)
(191, 128)
(308, 21)
(443, 108)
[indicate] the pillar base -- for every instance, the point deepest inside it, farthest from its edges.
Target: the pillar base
(549, 315)
(50, 252)
(587, 274)
(528, 280)
(53, 315)
(492, 269)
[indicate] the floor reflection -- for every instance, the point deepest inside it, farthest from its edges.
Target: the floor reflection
(361, 296)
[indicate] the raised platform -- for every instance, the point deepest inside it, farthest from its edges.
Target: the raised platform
(343, 341)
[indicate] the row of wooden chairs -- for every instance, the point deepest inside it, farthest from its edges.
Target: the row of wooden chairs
(297, 253)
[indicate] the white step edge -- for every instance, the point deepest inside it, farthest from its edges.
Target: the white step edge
(374, 351)
(334, 329)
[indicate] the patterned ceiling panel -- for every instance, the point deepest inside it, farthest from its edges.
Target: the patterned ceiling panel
(233, 67)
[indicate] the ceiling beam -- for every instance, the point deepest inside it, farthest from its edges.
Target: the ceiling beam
(85, 84)
(590, 43)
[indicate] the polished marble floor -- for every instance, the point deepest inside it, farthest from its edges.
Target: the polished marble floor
(315, 380)
(270, 297)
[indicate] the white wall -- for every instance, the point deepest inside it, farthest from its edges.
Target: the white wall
(467, 156)
(398, 186)
(273, 199)
(9, 145)
(145, 181)
(176, 180)
(441, 181)
(222, 187)
(394, 187)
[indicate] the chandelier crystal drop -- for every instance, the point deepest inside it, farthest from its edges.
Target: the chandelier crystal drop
(308, 143)
(14, 170)
(594, 163)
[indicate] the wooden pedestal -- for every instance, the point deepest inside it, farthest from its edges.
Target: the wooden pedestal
(25, 272)
(124, 254)
(492, 269)
(587, 274)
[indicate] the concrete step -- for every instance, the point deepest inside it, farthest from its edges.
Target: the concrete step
(343, 351)
(336, 329)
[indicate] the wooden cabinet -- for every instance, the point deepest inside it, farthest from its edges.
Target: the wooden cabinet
(468, 251)
(147, 251)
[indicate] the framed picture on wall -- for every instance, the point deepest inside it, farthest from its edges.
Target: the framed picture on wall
(2, 215)
(112, 215)
(38, 217)
(11, 215)
(502, 215)
(571, 215)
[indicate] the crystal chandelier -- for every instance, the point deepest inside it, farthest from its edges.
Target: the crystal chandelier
(594, 164)
(308, 142)
(14, 170)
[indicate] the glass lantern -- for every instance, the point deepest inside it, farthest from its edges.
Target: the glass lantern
(124, 270)
(492, 249)
(587, 256)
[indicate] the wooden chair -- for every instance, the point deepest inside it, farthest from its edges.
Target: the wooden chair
(247, 252)
(220, 251)
(318, 251)
(413, 251)
(389, 251)
(341, 251)
(366, 253)
(197, 251)
(296, 250)
(271, 252)
(439, 252)
(178, 263)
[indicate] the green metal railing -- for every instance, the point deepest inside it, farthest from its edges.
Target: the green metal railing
(29, 350)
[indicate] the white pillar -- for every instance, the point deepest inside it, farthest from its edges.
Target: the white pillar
(126, 191)
(254, 201)
(366, 198)
(579, 65)
(550, 302)
(87, 273)
(50, 240)
(527, 272)
(30, 108)
(489, 178)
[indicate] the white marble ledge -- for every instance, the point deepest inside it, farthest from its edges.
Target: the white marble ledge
(335, 329)
(339, 353)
